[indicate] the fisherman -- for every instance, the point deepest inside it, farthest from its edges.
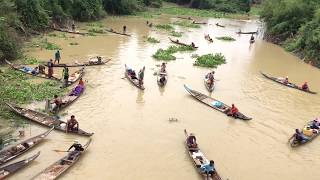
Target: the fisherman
(124, 29)
(77, 149)
(163, 67)
(286, 80)
(305, 86)
(252, 38)
(78, 89)
(162, 79)
(193, 45)
(65, 74)
(150, 25)
(57, 57)
(81, 83)
(298, 136)
(208, 168)
(35, 71)
(41, 69)
(50, 68)
(147, 22)
(210, 77)
(192, 141)
(72, 124)
(314, 125)
(73, 26)
(141, 76)
(233, 111)
(57, 101)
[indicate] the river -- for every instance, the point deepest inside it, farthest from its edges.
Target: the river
(134, 138)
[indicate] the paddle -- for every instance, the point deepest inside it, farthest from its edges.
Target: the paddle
(56, 150)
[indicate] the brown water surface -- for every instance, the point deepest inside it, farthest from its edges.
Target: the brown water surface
(134, 138)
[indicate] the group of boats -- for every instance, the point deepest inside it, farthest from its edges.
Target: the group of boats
(53, 123)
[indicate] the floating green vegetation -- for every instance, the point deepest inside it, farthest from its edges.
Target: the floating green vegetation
(152, 40)
(181, 11)
(96, 30)
(30, 60)
(187, 24)
(96, 24)
(166, 27)
(91, 34)
(225, 38)
(176, 34)
(210, 60)
(73, 43)
(167, 54)
(17, 88)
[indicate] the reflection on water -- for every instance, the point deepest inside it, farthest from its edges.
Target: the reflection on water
(131, 126)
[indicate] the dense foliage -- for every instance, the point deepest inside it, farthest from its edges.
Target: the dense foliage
(295, 25)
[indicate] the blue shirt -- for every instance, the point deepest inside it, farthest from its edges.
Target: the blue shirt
(207, 168)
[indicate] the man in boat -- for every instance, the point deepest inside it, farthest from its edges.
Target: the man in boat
(233, 111)
(210, 77)
(50, 68)
(162, 79)
(192, 141)
(65, 74)
(77, 149)
(35, 71)
(305, 86)
(57, 101)
(299, 137)
(193, 45)
(150, 25)
(141, 76)
(57, 57)
(72, 124)
(81, 82)
(124, 29)
(163, 67)
(252, 38)
(307, 131)
(78, 89)
(314, 125)
(73, 26)
(208, 169)
(286, 80)
(41, 69)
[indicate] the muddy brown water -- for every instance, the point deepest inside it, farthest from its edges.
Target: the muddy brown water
(134, 138)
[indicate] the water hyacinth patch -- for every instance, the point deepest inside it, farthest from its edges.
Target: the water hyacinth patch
(187, 24)
(166, 27)
(167, 54)
(175, 34)
(225, 38)
(210, 60)
(152, 40)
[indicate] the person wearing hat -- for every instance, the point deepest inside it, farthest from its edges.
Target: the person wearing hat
(72, 124)
(77, 146)
(208, 169)
(305, 86)
(286, 80)
(192, 141)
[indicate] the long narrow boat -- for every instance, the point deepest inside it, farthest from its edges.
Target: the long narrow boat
(133, 81)
(199, 160)
(119, 33)
(28, 70)
(291, 85)
(180, 43)
(159, 76)
(11, 152)
(209, 88)
(214, 103)
(69, 31)
(203, 23)
(250, 32)
(14, 167)
(88, 63)
(45, 120)
(74, 77)
(58, 168)
(68, 99)
(295, 143)
(219, 25)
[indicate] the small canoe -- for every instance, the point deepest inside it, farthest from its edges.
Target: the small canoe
(219, 25)
(62, 165)
(209, 88)
(27, 70)
(252, 32)
(291, 85)
(180, 43)
(295, 143)
(69, 31)
(203, 23)
(45, 120)
(88, 63)
(159, 76)
(133, 81)
(114, 32)
(11, 152)
(74, 77)
(214, 103)
(199, 160)
(14, 167)
(67, 99)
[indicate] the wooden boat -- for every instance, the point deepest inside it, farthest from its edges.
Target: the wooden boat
(62, 165)
(27, 70)
(133, 81)
(219, 25)
(88, 63)
(74, 77)
(45, 120)
(210, 89)
(199, 160)
(291, 85)
(69, 31)
(208, 38)
(112, 31)
(203, 23)
(11, 152)
(14, 167)
(252, 32)
(295, 143)
(180, 43)
(159, 76)
(214, 103)
(67, 99)
(187, 18)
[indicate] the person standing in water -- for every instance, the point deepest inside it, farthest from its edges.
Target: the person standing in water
(65, 74)
(50, 68)
(141, 76)
(124, 29)
(57, 57)
(73, 27)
